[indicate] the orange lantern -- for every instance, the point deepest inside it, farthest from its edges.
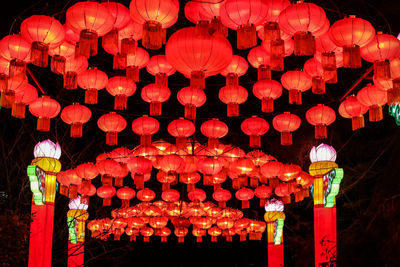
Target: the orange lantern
(181, 129)
(214, 232)
(146, 232)
(374, 98)
(214, 129)
(260, 59)
(106, 192)
(286, 123)
(296, 82)
(199, 233)
(352, 108)
(155, 95)
(76, 115)
(320, 116)
(164, 233)
(125, 194)
(255, 127)
(111, 123)
(191, 98)
(45, 108)
(92, 80)
(25, 95)
(290, 172)
(73, 67)
(121, 88)
(233, 96)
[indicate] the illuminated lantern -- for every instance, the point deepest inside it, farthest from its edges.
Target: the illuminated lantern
(71, 35)
(91, 20)
(238, 67)
(260, 59)
(255, 127)
(8, 89)
(25, 95)
(283, 191)
(244, 194)
(267, 91)
(181, 129)
(352, 108)
(191, 98)
(76, 115)
(196, 56)
(286, 123)
(111, 123)
(374, 98)
(211, 11)
(329, 53)
(222, 196)
(263, 192)
(160, 67)
(277, 51)
(122, 172)
(43, 32)
(271, 30)
(233, 96)
(244, 17)
(181, 232)
(320, 116)
(314, 69)
(72, 180)
(170, 165)
(120, 154)
(125, 194)
(208, 167)
(108, 168)
(214, 129)
(170, 195)
(190, 179)
(59, 55)
(272, 170)
(290, 172)
(243, 167)
(17, 50)
(128, 37)
(136, 62)
(4, 74)
(146, 232)
(87, 172)
(45, 108)
(158, 222)
(164, 233)
(351, 33)
(296, 82)
(146, 195)
(214, 232)
(380, 50)
(145, 126)
(92, 80)
(155, 95)
(225, 223)
(106, 192)
(241, 225)
(121, 88)
(197, 195)
(73, 67)
(303, 20)
(199, 233)
(192, 13)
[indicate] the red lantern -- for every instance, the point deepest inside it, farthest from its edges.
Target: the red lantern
(286, 123)
(290, 172)
(159, 67)
(272, 170)
(92, 80)
(214, 129)
(255, 127)
(191, 98)
(25, 95)
(91, 20)
(45, 109)
(314, 69)
(125, 194)
(244, 17)
(211, 11)
(197, 195)
(222, 196)
(263, 192)
(198, 232)
(192, 13)
(17, 50)
(233, 96)
(139, 166)
(121, 88)
(380, 50)
(190, 179)
(320, 116)
(170, 195)
(164, 233)
(328, 51)
(59, 55)
(245, 195)
(209, 167)
(303, 20)
(243, 167)
(128, 39)
(155, 95)
(260, 59)
(72, 180)
(111, 123)
(238, 67)
(267, 91)
(271, 31)
(181, 129)
(166, 179)
(73, 67)
(146, 195)
(135, 62)
(108, 168)
(197, 56)
(120, 154)
(76, 115)
(374, 98)
(277, 51)
(352, 108)
(106, 192)
(296, 82)
(87, 172)
(145, 126)
(351, 33)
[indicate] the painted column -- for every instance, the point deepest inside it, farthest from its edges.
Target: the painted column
(275, 218)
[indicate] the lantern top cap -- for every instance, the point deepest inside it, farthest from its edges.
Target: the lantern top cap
(274, 205)
(78, 204)
(47, 149)
(323, 152)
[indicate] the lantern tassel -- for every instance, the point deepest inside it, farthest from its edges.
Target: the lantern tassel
(57, 64)
(264, 72)
(271, 31)
(132, 73)
(286, 138)
(76, 130)
(120, 102)
(18, 110)
(267, 104)
(91, 96)
(255, 141)
(39, 54)
(72, 191)
(88, 42)
(351, 57)
(152, 35)
(43, 124)
(246, 36)
(232, 110)
(318, 85)
(197, 79)
(375, 113)
(17, 69)
(320, 131)
(155, 108)
(190, 112)
(70, 80)
(357, 123)
(382, 70)
(128, 47)
(295, 97)
(112, 138)
(304, 44)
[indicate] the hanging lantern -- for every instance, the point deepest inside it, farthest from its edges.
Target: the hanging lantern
(222, 196)
(209, 167)
(125, 194)
(128, 40)
(245, 195)
(139, 166)
(9, 87)
(72, 180)
(278, 50)
(191, 98)
(263, 192)
(76, 115)
(255, 127)
(374, 98)
(171, 165)
(25, 95)
(233, 96)
(121, 88)
(45, 109)
(190, 179)
(73, 67)
(320, 116)
(136, 62)
(106, 192)
(91, 20)
(352, 108)
(267, 91)
(199, 233)
(87, 172)
(315, 70)
(181, 129)
(351, 33)
(296, 82)
(92, 80)
(111, 123)
(155, 95)
(211, 11)
(260, 59)
(272, 170)
(108, 168)
(286, 123)
(271, 30)
(145, 126)
(146, 195)
(192, 13)
(17, 51)
(328, 51)
(59, 55)
(238, 67)
(214, 129)
(197, 195)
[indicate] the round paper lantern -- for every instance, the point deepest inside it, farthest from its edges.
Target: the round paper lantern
(145, 126)
(166, 178)
(155, 95)
(125, 194)
(160, 67)
(197, 195)
(8, 87)
(73, 67)
(296, 82)
(106, 192)
(290, 172)
(72, 180)
(190, 179)
(244, 17)
(352, 108)
(263, 192)
(111, 123)
(197, 232)
(181, 129)
(351, 33)
(172, 164)
(328, 51)
(244, 167)
(380, 50)
(209, 167)
(374, 98)
(303, 20)
(238, 67)
(191, 98)
(222, 196)
(86, 171)
(197, 56)
(267, 91)
(272, 170)
(128, 37)
(320, 116)
(271, 30)
(211, 11)
(214, 129)
(42, 32)
(164, 233)
(146, 195)
(233, 96)
(76, 115)
(17, 50)
(139, 166)
(245, 195)
(91, 20)
(25, 95)
(136, 62)
(120, 154)
(45, 108)
(315, 70)
(255, 127)
(286, 123)
(260, 59)
(121, 88)
(108, 168)
(277, 51)
(155, 16)
(59, 55)
(92, 80)
(170, 195)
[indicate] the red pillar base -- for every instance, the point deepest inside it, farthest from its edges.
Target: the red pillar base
(325, 236)
(275, 255)
(76, 253)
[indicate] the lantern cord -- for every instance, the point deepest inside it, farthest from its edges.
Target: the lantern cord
(28, 70)
(357, 82)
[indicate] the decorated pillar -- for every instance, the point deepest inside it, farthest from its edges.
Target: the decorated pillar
(42, 176)
(275, 219)
(327, 178)
(76, 221)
